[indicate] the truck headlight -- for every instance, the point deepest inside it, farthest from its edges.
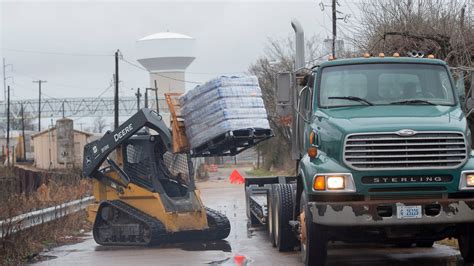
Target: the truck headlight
(470, 180)
(337, 182)
(467, 180)
(334, 182)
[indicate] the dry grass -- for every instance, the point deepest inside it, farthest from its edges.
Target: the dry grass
(25, 246)
(53, 193)
(20, 247)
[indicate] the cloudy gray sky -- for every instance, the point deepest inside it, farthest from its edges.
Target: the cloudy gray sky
(230, 36)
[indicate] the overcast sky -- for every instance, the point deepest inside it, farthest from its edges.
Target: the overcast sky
(230, 36)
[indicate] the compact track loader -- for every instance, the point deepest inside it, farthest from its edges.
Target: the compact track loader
(147, 195)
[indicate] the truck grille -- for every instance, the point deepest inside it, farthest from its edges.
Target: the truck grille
(427, 150)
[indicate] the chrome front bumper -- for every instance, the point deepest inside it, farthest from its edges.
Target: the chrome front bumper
(366, 213)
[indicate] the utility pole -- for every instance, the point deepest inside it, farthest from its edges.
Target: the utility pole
(62, 107)
(39, 101)
(156, 98)
(4, 82)
(146, 97)
(23, 130)
(334, 28)
(138, 94)
(116, 96)
(8, 126)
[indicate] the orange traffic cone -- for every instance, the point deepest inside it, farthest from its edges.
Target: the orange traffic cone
(236, 178)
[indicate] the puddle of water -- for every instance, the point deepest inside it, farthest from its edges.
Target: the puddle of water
(39, 257)
(220, 245)
(218, 262)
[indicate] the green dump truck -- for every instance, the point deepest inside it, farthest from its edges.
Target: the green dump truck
(384, 155)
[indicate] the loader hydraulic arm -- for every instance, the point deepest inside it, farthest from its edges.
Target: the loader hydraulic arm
(96, 152)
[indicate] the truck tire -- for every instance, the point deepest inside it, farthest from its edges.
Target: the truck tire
(466, 243)
(425, 244)
(313, 237)
(271, 215)
(285, 238)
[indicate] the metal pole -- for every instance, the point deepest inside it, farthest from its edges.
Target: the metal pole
(299, 44)
(146, 97)
(156, 98)
(39, 101)
(23, 130)
(39, 107)
(334, 28)
(4, 82)
(138, 94)
(116, 97)
(8, 126)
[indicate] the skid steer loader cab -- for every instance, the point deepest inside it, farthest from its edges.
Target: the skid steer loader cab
(147, 194)
(148, 163)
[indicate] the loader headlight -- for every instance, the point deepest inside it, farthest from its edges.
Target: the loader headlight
(334, 182)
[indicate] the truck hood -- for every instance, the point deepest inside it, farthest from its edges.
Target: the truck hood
(334, 124)
(393, 118)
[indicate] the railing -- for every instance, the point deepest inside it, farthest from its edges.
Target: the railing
(30, 219)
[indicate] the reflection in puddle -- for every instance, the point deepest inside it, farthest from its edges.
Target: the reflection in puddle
(218, 262)
(221, 245)
(38, 257)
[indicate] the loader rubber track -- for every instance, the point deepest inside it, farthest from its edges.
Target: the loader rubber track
(128, 226)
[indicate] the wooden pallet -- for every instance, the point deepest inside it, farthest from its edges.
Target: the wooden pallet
(232, 142)
(180, 140)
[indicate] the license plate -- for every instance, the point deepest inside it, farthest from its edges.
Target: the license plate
(408, 212)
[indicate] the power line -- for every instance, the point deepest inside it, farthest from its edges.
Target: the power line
(21, 73)
(53, 53)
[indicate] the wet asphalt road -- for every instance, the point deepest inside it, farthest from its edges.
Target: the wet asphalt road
(248, 245)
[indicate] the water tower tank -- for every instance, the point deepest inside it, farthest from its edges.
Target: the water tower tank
(166, 55)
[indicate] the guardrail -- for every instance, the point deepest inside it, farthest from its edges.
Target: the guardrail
(30, 219)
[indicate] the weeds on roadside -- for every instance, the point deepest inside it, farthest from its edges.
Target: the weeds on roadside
(23, 245)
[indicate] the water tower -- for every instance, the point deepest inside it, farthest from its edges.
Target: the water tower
(166, 55)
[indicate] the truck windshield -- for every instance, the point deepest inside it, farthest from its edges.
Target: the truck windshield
(383, 84)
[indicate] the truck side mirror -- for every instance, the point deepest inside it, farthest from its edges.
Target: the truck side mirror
(283, 93)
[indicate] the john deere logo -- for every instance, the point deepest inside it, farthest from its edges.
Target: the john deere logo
(406, 132)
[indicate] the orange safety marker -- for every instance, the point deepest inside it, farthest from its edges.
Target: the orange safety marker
(236, 178)
(239, 259)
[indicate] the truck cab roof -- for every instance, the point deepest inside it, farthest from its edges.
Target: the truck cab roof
(381, 60)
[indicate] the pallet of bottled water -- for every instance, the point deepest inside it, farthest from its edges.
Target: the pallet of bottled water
(225, 116)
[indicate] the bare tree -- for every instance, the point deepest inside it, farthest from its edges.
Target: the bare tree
(279, 57)
(99, 124)
(437, 27)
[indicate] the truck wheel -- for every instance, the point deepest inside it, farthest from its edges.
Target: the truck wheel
(271, 215)
(466, 243)
(313, 237)
(285, 239)
(425, 244)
